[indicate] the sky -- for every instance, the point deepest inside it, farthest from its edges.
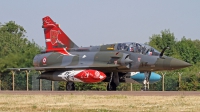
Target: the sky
(92, 22)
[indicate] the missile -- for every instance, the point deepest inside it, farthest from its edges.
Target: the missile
(86, 76)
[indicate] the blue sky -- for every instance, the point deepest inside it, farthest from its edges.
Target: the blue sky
(92, 22)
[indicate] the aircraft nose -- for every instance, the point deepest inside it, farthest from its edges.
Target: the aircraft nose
(175, 63)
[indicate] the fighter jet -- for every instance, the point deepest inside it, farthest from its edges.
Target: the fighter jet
(63, 60)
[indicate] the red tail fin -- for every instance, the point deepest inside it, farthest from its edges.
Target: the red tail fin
(54, 36)
(62, 51)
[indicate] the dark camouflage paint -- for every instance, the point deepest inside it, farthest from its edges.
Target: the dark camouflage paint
(103, 58)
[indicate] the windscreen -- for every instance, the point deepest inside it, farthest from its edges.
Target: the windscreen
(138, 48)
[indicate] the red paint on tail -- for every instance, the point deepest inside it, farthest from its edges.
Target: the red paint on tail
(56, 40)
(54, 36)
(60, 50)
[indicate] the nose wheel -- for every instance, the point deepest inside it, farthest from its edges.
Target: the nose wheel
(146, 81)
(70, 86)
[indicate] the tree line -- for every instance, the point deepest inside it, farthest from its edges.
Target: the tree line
(16, 51)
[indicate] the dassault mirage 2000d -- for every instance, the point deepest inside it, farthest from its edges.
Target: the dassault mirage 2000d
(63, 60)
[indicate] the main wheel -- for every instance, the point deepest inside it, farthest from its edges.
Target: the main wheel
(111, 86)
(70, 86)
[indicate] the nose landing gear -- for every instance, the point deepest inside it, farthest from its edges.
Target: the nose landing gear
(146, 81)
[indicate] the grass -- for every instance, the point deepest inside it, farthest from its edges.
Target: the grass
(98, 103)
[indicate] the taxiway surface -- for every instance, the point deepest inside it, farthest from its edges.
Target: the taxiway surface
(132, 93)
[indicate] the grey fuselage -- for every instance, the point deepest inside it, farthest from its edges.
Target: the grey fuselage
(107, 58)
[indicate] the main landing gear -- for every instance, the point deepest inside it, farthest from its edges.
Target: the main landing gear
(70, 86)
(146, 81)
(114, 81)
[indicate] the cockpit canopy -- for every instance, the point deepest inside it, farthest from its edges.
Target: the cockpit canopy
(138, 48)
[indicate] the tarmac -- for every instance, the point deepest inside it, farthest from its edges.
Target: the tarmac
(130, 93)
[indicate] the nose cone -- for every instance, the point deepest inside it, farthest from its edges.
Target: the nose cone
(175, 63)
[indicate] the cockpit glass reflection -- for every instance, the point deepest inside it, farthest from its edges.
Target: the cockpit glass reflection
(138, 48)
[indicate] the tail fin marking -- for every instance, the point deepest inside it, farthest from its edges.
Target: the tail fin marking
(54, 36)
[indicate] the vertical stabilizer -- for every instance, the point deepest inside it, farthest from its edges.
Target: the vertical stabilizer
(54, 36)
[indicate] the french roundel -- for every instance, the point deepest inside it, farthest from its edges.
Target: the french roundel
(44, 60)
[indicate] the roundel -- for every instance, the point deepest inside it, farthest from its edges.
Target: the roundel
(44, 60)
(97, 74)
